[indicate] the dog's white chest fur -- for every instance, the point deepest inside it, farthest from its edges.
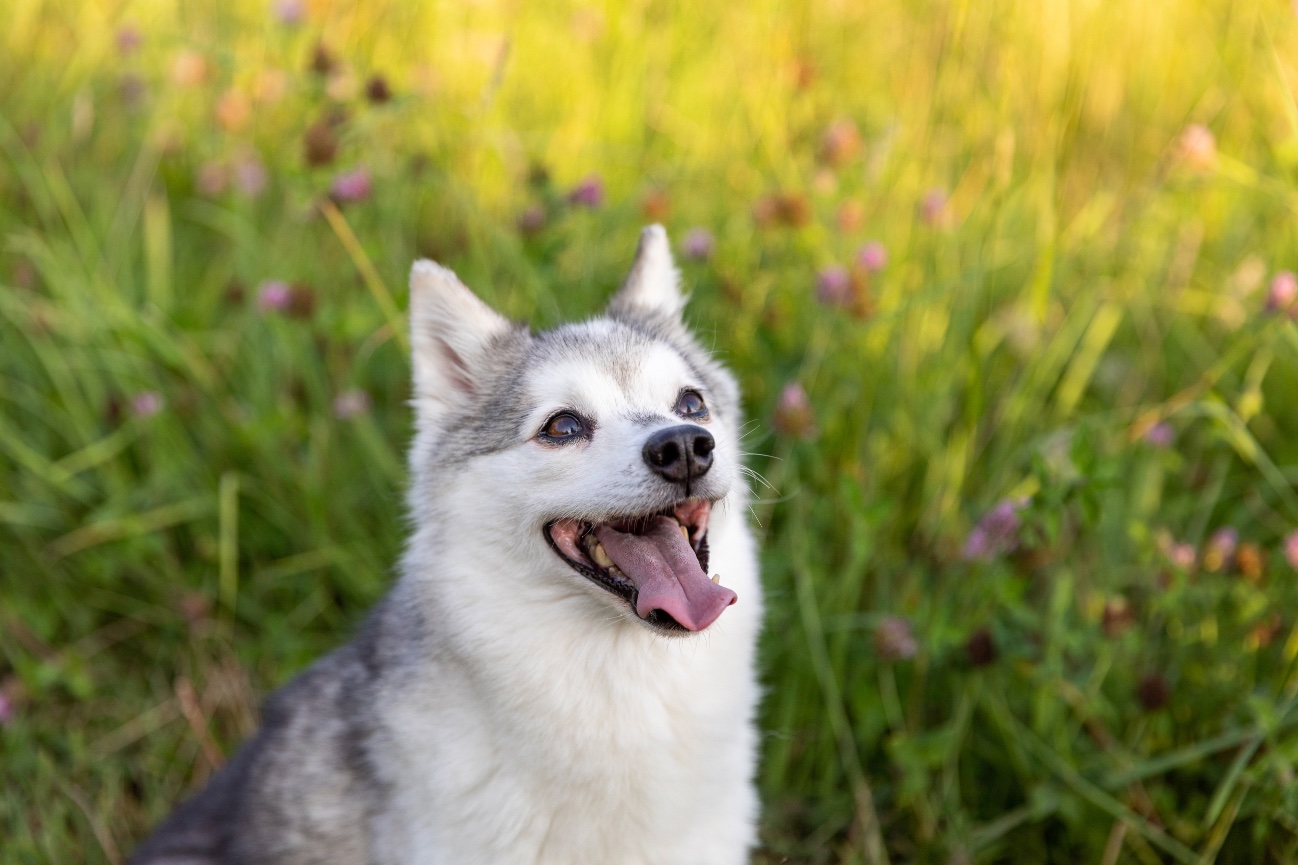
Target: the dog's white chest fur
(608, 745)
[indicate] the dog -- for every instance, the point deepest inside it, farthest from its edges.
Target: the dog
(554, 677)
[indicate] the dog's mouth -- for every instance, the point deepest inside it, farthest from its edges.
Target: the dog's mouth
(656, 562)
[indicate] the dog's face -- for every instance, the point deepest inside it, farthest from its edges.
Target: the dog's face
(600, 448)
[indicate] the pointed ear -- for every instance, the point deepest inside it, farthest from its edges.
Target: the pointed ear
(451, 332)
(653, 285)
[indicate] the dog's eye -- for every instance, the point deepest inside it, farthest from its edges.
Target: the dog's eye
(691, 404)
(563, 426)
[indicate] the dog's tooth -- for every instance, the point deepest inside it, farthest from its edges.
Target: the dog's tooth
(685, 533)
(616, 571)
(600, 555)
(716, 578)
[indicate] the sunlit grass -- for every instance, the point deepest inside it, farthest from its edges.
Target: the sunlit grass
(1004, 622)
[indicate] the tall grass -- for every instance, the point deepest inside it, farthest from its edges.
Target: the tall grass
(1083, 207)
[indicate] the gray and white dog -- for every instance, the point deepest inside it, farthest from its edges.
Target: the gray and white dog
(554, 678)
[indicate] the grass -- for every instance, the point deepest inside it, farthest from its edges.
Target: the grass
(198, 494)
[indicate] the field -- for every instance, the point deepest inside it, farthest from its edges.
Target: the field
(1007, 287)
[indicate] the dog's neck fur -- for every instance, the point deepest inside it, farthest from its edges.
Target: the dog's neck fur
(594, 741)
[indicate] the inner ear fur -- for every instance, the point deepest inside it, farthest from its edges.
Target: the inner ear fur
(451, 332)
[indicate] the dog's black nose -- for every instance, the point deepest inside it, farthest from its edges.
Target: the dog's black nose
(680, 453)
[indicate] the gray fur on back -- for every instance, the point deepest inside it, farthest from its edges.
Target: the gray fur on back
(300, 792)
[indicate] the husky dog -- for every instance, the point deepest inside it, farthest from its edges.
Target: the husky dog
(554, 678)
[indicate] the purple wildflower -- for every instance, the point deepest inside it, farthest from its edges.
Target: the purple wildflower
(834, 285)
(352, 186)
(1221, 547)
(1283, 291)
(893, 639)
(872, 257)
(274, 295)
(698, 244)
(250, 176)
(1183, 555)
(933, 207)
(978, 545)
(289, 12)
(794, 397)
(128, 39)
(588, 193)
(6, 708)
(1160, 435)
(146, 403)
(351, 403)
(997, 532)
(793, 414)
(531, 220)
(1291, 549)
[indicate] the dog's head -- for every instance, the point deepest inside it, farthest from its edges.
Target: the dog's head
(598, 449)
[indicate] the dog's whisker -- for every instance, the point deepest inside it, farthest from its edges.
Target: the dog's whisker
(761, 478)
(758, 454)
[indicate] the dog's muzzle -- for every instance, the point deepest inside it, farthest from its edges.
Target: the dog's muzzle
(656, 562)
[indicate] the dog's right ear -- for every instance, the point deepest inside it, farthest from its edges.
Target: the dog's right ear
(451, 334)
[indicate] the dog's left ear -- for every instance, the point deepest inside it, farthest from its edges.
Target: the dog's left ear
(452, 337)
(652, 287)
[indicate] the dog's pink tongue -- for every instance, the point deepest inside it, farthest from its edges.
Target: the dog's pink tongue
(666, 573)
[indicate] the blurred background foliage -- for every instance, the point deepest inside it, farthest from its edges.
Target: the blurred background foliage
(1006, 285)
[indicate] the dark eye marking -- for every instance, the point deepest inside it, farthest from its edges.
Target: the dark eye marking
(564, 427)
(690, 404)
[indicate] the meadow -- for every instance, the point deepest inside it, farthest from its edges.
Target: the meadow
(1007, 286)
